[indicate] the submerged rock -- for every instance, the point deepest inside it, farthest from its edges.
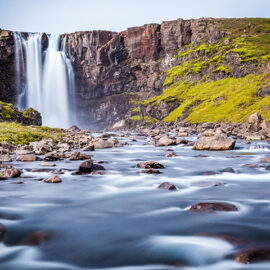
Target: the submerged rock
(53, 179)
(2, 232)
(150, 165)
(209, 207)
(216, 142)
(168, 186)
(47, 164)
(151, 171)
(36, 238)
(253, 255)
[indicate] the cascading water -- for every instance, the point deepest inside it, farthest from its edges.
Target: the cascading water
(44, 82)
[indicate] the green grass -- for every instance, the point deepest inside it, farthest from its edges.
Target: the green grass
(15, 133)
(239, 100)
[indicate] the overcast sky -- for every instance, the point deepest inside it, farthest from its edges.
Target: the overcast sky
(62, 16)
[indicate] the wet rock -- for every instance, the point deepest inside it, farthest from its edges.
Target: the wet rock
(5, 158)
(201, 156)
(166, 140)
(207, 184)
(47, 164)
(9, 172)
(60, 171)
(210, 173)
(168, 186)
(252, 166)
(268, 168)
(266, 159)
(181, 141)
(63, 147)
(2, 232)
(150, 171)
(171, 154)
(74, 128)
(75, 155)
(51, 156)
(227, 170)
(89, 147)
(100, 144)
(53, 179)
(86, 166)
(253, 255)
(41, 170)
(216, 142)
(36, 238)
(98, 167)
(210, 207)
(150, 165)
(26, 158)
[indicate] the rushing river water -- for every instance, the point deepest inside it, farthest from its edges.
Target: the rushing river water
(121, 220)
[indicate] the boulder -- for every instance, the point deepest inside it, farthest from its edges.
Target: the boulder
(26, 158)
(168, 186)
(214, 143)
(89, 147)
(53, 179)
(9, 172)
(209, 207)
(98, 167)
(47, 164)
(171, 154)
(86, 166)
(2, 232)
(255, 119)
(101, 143)
(150, 165)
(41, 147)
(51, 156)
(5, 158)
(31, 117)
(166, 140)
(74, 128)
(266, 159)
(253, 255)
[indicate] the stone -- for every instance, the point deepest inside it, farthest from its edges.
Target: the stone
(74, 128)
(47, 164)
(100, 144)
(86, 166)
(5, 158)
(181, 141)
(53, 179)
(171, 154)
(253, 255)
(60, 171)
(165, 140)
(168, 186)
(41, 148)
(2, 232)
(206, 184)
(150, 171)
(268, 168)
(227, 170)
(51, 156)
(150, 165)
(210, 207)
(266, 159)
(75, 155)
(119, 124)
(36, 238)
(9, 172)
(215, 143)
(98, 167)
(31, 117)
(255, 118)
(89, 147)
(26, 158)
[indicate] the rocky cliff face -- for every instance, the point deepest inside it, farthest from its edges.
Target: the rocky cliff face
(116, 71)
(114, 68)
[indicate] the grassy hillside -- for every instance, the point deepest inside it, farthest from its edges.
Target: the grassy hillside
(222, 81)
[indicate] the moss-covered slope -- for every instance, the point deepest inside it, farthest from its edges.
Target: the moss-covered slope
(221, 82)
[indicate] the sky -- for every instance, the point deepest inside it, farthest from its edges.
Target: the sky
(65, 16)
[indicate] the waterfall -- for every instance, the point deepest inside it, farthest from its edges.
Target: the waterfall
(45, 81)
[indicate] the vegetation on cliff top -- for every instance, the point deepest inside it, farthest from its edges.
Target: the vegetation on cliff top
(15, 133)
(218, 93)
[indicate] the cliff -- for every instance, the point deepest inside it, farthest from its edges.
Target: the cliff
(153, 72)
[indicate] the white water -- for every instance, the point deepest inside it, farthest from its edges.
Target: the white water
(48, 78)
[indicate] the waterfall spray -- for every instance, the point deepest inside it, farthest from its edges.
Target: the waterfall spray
(45, 81)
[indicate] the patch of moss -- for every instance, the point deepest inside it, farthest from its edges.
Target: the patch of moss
(15, 133)
(8, 112)
(135, 118)
(240, 100)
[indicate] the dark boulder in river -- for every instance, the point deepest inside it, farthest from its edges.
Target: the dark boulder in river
(150, 165)
(210, 207)
(253, 255)
(168, 186)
